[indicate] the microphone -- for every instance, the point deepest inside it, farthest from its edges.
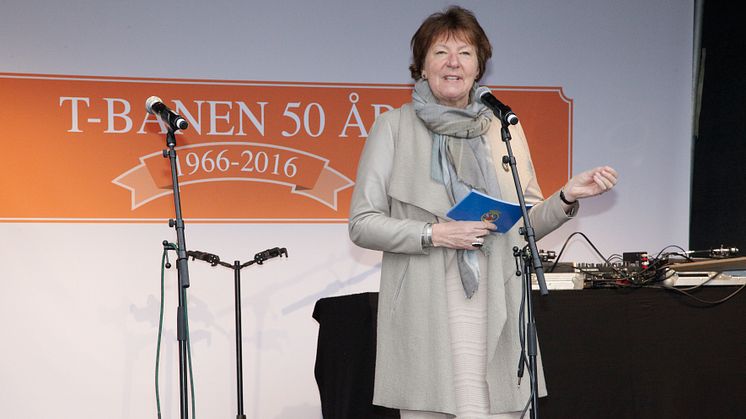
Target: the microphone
(207, 257)
(501, 110)
(722, 252)
(155, 106)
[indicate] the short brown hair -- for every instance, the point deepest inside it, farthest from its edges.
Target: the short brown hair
(453, 21)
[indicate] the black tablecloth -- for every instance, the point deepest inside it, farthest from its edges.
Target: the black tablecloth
(346, 356)
(640, 353)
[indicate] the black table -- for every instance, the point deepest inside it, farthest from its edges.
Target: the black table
(607, 353)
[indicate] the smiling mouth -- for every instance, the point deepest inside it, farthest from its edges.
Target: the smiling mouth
(452, 78)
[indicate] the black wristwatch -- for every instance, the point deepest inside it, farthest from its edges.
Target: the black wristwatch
(562, 197)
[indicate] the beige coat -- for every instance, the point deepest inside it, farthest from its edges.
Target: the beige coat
(393, 199)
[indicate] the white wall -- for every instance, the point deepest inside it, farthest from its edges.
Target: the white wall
(78, 307)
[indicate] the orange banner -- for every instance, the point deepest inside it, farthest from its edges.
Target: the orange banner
(84, 148)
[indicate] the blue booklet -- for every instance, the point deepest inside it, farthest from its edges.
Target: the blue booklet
(481, 207)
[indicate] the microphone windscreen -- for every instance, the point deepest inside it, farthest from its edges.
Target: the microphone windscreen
(481, 91)
(150, 102)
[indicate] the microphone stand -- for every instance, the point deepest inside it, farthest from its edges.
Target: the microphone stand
(530, 258)
(214, 260)
(183, 273)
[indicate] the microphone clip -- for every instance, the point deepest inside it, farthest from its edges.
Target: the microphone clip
(260, 257)
(213, 260)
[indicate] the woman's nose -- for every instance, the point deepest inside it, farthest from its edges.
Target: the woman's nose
(453, 60)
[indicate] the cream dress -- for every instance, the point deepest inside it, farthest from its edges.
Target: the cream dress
(467, 323)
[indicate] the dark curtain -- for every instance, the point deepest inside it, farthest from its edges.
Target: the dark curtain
(718, 214)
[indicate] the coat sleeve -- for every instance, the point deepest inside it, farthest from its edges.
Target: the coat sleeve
(371, 225)
(548, 215)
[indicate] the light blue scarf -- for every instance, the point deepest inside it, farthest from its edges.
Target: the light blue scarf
(461, 160)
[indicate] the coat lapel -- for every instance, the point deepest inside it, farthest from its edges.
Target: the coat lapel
(411, 182)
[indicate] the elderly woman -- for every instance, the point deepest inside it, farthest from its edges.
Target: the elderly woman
(447, 317)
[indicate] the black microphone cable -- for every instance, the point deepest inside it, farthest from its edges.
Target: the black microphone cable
(165, 264)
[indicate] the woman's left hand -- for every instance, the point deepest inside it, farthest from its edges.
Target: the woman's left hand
(590, 183)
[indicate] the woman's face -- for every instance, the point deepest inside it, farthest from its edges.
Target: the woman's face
(451, 67)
